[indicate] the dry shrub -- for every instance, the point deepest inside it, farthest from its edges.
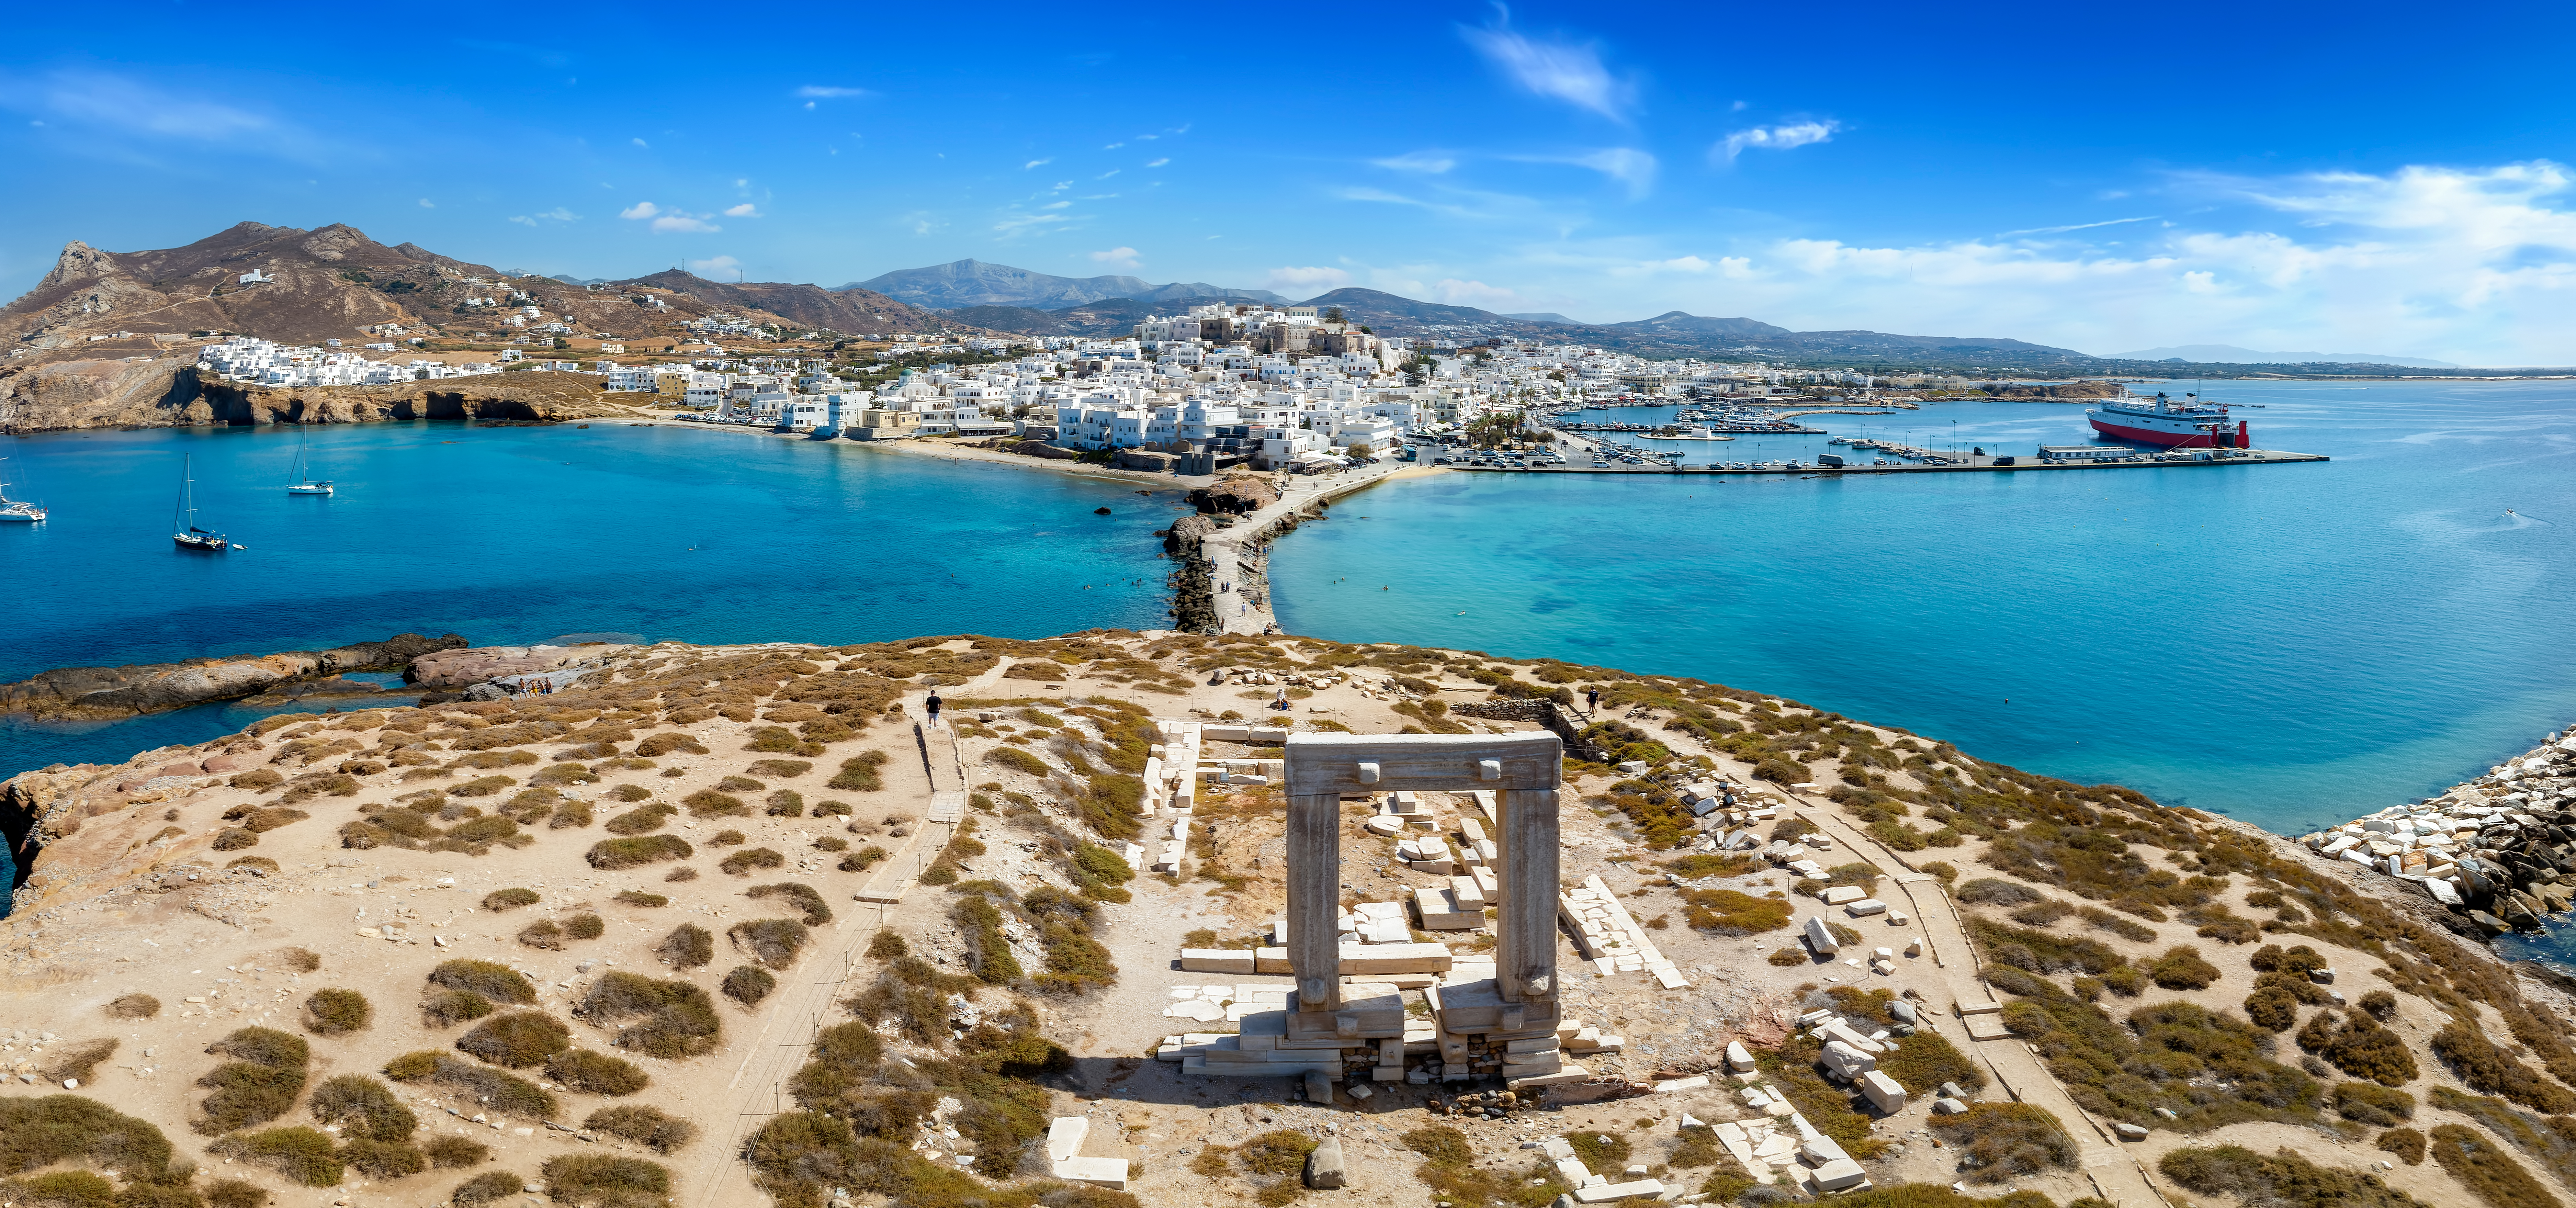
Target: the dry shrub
(2285, 1179)
(134, 1006)
(1995, 891)
(783, 769)
(650, 1127)
(1727, 912)
(585, 926)
(689, 946)
(489, 979)
(2487, 1169)
(612, 854)
(490, 1187)
(679, 1019)
(605, 1181)
(772, 942)
(2406, 1143)
(493, 1089)
(362, 1107)
(75, 1060)
(748, 984)
(2181, 968)
(447, 1008)
(658, 745)
(742, 863)
(509, 899)
(2000, 1141)
(642, 819)
(303, 1155)
(337, 1012)
(596, 1073)
(637, 897)
(451, 1152)
(805, 897)
(516, 1040)
(544, 933)
(859, 775)
(259, 1085)
(708, 803)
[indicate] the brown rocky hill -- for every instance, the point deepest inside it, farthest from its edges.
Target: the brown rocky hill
(167, 392)
(336, 283)
(851, 311)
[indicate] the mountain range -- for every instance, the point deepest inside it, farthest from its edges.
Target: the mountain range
(2229, 354)
(966, 283)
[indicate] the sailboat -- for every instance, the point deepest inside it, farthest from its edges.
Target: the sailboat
(183, 527)
(304, 484)
(17, 510)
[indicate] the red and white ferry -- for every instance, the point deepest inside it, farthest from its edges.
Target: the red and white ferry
(2189, 424)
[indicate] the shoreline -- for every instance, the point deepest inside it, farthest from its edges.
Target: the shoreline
(2490, 849)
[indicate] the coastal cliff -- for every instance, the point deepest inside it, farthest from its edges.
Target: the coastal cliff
(2073, 991)
(170, 393)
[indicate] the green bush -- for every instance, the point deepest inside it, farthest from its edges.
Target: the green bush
(2042, 951)
(498, 1091)
(1600, 1151)
(2483, 1067)
(637, 897)
(708, 803)
(2285, 1179)
(544, 933)
(886, 946)
(382, 1159)
(604, 1180)
(2364, 1049)
(450, 1153)
(741, 863)
(1727, 912)
(689, 946)
(447, 1008)
(2181, 968)
(614, 854)
(362, 1107)
(490, 979)
(650, 1127)
(517, 1040)
(490, 1187)
(2272, 1008)
(235, 1193)
(805, 897)
(569, 814)
(585, 926)
(302, 1154)
(2208, 1068)
(2487, 1169)
(859, 775)
(2379, 1106)
(2406, 1143)
(643, 819)
(595, 1073)
(259, 1085)
(2001, 1141)
(988, 949)
(748, 984)
(772, 942)
(40, 1130)
(678, 1019)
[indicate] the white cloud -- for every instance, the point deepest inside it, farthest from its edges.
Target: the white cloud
(641, 143)
(1113, 146)
(121, 117)
(523, 219)
(427, 204)
(828, 92)
(745, 210)
(1773, 138)
(560, 214)
(1568, 72)
(1627, 165)
(1156, 163)
(1428, 162)
(1123, 257)
(1106, 175)
(1315, 279)
(1012, 226)
(1475, 293)
(719, 268)
(668, 221)
(1037, 163)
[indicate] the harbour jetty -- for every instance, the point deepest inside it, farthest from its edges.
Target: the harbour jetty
(2500, 849)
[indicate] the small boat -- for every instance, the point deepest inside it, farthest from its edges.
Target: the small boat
(304, 484)
(183, 528)
(16, 510)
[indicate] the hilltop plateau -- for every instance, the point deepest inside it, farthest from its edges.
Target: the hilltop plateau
(714, 925)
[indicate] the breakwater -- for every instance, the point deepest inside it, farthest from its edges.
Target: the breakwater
(2500, 849)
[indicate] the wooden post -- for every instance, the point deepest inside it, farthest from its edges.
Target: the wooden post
(1525, 926)
(1315, 899)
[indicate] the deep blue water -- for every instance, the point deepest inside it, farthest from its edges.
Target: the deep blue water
(2288, 644)
(509, 535)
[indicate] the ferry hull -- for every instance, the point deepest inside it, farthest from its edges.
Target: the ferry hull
(2195, 439)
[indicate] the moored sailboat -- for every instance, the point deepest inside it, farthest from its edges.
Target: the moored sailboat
(304, 484)
(183, 528)
(16, 510)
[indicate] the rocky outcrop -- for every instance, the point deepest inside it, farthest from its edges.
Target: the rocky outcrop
(1235, 496)
(170, 393)
(108, 693)
(449, 670)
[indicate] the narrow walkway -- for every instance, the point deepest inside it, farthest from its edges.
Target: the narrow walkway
(716, 1173)
(2105, 1160)
(1224, 548)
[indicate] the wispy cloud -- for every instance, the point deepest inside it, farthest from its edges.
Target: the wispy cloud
(558, 214)
(641, 143)
(1123, 257)
(1475, 293)
(1037, 163)
(1627, 165)
(1428, 162)
(1566, 71)
(1156, 163)
(717, 268)
(427, 204)
(745, 210)
(1014, 225)
(1106, 175)
(1317, 278)
(668, 221)
(2080, 226)
(523, 219)
(1113, 146)
(830, 92)
(1773, 138)
(115, 116)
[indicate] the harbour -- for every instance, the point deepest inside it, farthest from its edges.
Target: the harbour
(1968, 463)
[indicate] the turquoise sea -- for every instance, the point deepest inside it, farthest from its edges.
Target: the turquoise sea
(520, 534)
(2290, 644)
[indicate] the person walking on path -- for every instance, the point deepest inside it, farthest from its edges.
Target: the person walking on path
(1591, 702)
(933, 706)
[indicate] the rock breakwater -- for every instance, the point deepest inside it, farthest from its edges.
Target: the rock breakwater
(2500, 848)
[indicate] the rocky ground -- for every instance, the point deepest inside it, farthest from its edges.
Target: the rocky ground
(796, 1052)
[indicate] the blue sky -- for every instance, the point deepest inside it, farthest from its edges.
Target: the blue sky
(2351, 179)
